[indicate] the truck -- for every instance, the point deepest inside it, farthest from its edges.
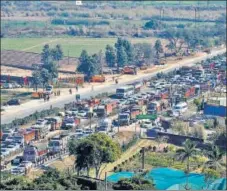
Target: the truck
(129, 70)
(104, 125)
(129, 116)
(137, 86)
(28, 134)
(55, 122)
(58, 143)
(153, 107)
(40, 131)
(104, 110)
(98, 78)
(33, 153)
(70, 123)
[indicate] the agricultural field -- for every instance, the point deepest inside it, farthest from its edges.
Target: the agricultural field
(71, 46)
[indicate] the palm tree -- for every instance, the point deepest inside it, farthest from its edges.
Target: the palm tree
(184, 154)
(215, 157)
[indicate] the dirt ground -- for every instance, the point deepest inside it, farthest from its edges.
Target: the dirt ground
(12, 71)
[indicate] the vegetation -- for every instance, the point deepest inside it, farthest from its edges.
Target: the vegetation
(94, 151)
(184, 154)
(134, 183)
(215, 158)
(89, 65)
(49, 180)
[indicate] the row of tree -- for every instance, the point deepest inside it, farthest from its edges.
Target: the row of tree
(121, 54)
(50, 58)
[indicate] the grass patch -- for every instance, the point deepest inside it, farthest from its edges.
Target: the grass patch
(73, 45)
(7, 95)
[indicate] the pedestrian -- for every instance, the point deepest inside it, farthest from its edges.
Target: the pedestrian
(116, 81)
(51, 106)
(48, 97)
(59, 92)
(70, 91)
(44, 97)
(76, 88)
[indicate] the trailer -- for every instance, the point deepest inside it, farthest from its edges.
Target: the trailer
(58, 143)
(98, 78)
(56, 122)
(33, 153)
(129, 70)
(129, 116)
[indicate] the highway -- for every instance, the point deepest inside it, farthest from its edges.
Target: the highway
(38, 105)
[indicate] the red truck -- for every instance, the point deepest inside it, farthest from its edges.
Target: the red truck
(190, 92)
(29, 134)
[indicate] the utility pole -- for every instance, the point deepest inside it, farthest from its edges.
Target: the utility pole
(143, 157)
(105, 180)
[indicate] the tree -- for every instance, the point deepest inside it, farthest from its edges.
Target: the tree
(153, 24)
(171, 46)
(134, 183)
(57, 53)
(122, 58)
(158, 48)
(110, 56)
(215, 157)
(184, 154)
(89, 65)
(129, 49)
(94, 151)
(143, 53)
(46, 54)
(47, 59)
(45, 76)
(51, 67)
(36, 79)
(210, 176)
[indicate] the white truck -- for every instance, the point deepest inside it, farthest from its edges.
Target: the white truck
(104, 125)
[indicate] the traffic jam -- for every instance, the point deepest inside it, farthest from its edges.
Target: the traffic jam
(141, 103)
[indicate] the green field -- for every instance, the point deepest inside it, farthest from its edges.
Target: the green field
(73, 45)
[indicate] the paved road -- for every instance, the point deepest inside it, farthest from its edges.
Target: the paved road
(30, 108)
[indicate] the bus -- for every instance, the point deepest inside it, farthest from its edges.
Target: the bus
(125, 91)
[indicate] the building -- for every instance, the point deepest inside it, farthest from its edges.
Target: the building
(215, 106)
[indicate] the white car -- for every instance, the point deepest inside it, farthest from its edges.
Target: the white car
(73, 111)
(18, 170)
(4, 152)
(82, 113)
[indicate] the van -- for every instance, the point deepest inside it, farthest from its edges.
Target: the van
(180, 107)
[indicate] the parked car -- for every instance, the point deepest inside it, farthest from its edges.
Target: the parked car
(73, 111)
(82, 113)
(13, 102)
(7, 86)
